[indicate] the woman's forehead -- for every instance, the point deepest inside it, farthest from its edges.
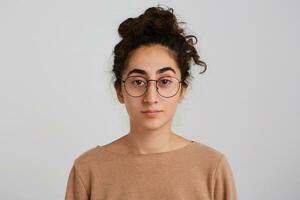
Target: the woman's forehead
(151, 60)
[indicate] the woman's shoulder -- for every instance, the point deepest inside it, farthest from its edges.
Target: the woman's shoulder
(89, 156)
(204, 148)
(96, 153)
(206, 153)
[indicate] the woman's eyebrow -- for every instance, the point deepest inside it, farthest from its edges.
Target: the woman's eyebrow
(140, 71)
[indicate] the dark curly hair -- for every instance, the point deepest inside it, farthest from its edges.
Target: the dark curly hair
(155, 26)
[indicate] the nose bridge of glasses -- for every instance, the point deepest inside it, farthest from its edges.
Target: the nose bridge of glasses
(148, 88)
(155, 83)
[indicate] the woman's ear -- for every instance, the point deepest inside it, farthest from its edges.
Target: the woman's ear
(120, 94)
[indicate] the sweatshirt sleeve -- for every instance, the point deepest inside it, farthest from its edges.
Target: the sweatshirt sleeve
(224, 186)
(75, 188)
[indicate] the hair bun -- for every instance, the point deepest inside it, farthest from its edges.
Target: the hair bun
(153, 21)
(126, 27)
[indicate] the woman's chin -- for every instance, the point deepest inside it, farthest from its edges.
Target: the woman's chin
(151, 124)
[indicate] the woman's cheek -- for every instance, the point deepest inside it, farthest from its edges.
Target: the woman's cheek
(133, 110)
(171, 110)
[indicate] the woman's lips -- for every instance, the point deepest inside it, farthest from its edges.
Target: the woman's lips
(151, 113)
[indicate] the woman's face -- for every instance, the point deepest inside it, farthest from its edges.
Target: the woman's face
(150, 59)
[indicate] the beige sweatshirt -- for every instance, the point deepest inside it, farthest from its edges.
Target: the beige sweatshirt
(193, 172)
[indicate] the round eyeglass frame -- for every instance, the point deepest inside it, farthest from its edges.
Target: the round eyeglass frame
(147, 81)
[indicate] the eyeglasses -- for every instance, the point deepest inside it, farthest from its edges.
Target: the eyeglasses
(166, 86)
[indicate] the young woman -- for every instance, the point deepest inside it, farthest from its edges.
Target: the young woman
(151, 69)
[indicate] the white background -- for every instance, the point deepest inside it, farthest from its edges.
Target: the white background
(57, 98)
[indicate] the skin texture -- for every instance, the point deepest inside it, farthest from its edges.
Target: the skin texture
(150, 134)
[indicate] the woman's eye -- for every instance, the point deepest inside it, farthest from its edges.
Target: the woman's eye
(138, 82)
(165, 81)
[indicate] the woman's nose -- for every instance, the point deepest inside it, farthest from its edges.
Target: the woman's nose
(151, 92)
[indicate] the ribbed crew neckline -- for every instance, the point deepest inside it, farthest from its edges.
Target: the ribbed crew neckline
(192, 142)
